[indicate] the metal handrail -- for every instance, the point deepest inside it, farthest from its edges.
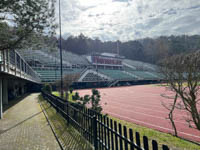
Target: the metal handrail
(14, 59)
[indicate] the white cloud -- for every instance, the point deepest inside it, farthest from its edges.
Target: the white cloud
(130, 19)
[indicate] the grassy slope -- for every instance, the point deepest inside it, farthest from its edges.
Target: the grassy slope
(162, 138)
(69, 137)
(58, 94)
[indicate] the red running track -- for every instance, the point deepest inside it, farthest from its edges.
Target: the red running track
(142, 105)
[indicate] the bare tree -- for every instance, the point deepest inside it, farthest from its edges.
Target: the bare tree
(68, 80)
(171, 108)
(182, 74)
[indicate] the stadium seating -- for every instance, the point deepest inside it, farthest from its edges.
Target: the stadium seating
(113, 74)
(74, 59)
(91, 77)
(51, 58)
(53, 75)
(47, 63)
(146, 75)
(140, 65)
(116, 74)
(42, 57)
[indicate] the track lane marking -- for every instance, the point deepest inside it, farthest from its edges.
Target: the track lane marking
(110, 102)
(148, 115)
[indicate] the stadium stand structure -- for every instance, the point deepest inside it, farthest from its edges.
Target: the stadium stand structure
(104, 69)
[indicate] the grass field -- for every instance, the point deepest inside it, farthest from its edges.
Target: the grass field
(58, 94)
(162, 138)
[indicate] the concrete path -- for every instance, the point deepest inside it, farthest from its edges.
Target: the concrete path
(24, 127)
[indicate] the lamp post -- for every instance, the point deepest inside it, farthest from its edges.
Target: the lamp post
(61, 71)
(55, 69)
(97, 77)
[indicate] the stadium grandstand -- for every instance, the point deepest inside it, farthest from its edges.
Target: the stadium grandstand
(104, 69)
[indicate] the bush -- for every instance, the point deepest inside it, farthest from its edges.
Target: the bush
(94, 100)
(47, 88)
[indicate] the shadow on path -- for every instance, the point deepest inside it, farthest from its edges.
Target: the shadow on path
(34, 115)
(13, 102)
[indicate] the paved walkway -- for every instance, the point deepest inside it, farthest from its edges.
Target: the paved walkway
(24, 127)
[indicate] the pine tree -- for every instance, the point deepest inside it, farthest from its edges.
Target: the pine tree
(20, 19)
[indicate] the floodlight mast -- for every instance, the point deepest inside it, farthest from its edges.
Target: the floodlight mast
(61, 65)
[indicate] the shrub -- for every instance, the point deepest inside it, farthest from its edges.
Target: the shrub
(47, 88)
(94, 100)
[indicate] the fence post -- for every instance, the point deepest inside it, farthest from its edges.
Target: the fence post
(164, 147)
(137, 136)
(56, 103)
(67, 112)
(154, 145)
(145, 142)
(75, 115)
(94, 124)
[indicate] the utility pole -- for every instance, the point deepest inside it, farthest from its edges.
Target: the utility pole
(118, 47)
(61, 69)
(55, 68)
(97, 77)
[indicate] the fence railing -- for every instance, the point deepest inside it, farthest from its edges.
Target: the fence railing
(101, 131)
(12, 61)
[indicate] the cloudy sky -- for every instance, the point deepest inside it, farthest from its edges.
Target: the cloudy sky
(124, 20)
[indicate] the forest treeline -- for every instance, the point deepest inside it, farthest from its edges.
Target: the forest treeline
(148, 49)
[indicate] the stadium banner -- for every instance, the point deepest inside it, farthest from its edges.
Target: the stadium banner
(106, 60)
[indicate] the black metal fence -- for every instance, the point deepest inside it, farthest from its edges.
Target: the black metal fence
(101, 131)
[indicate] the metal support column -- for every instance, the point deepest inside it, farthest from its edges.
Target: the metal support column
(1, 103)
(15, 63)
(5, 91)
